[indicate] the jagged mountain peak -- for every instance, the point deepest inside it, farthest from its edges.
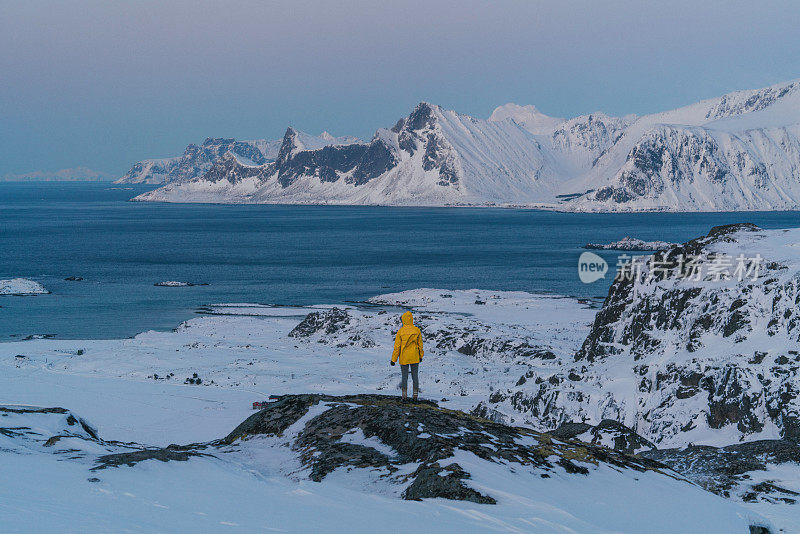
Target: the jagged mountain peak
(423, 116)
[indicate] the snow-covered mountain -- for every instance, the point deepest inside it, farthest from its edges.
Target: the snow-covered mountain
(740, 151)
(197, 159)
(684, 351)
(432, 157)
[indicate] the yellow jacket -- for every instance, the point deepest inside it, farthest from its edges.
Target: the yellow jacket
(408, 342)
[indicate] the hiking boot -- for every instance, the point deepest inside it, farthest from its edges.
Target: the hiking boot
(415, 396)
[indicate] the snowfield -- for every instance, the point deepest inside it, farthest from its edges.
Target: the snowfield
(21, 286)
(137, 391)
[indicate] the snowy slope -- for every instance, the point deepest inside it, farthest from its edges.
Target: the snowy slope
(737, 152)
(528, 117)
(432, 157)
(681, 354)
(740, 151)
(69, 478)
(487, 352)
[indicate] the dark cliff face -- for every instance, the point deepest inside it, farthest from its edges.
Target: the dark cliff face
(679, 358)
(419, 132)
(228, 168)
(642, 321)
(628, 320)
(667, 157)
(360, 163)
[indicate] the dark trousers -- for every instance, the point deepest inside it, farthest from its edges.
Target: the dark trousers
(414, 375)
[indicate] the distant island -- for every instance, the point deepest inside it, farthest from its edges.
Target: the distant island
(77, 174)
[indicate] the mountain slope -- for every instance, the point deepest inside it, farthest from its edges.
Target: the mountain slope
(307, 462)
(740, 151)
(683, 351)
(432, 157)
(197, 159)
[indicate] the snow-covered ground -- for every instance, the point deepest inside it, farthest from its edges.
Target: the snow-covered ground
(21, 286)
(136, 390)
(51, 494)
(248, 347)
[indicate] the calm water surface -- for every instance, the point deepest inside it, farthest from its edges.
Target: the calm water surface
(283, 254)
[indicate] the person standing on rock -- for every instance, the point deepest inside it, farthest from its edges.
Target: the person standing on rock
(408, 351)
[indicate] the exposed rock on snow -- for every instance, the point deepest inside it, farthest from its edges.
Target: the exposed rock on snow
(372, 448)
(197, 160)
(758, 471)
(505, 356)
(21, 286)
(682, 357)
(631, 243)
(736, 152)
(419, 434)
(608, 433)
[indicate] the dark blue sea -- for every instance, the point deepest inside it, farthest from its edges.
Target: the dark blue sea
(283, 254)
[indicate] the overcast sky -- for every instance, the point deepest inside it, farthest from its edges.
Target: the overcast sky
(105, 83)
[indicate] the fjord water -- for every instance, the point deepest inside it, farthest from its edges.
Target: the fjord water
(284, 254)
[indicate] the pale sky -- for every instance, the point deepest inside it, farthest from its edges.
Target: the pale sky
(104, 83)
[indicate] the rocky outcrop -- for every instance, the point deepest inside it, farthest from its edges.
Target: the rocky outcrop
(757, 471)
(739, 471)
(631, 244)
(394, 435)
(21, 287)
(680, 351)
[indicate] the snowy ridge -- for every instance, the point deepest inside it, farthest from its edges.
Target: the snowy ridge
(197, 160)
(740, 151)
(310, 460)
(528, 117)
(432, 157)
(684, 358)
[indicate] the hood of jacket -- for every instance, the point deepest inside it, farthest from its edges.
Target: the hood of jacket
(407, 318)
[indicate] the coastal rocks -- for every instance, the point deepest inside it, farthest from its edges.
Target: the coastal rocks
(21, 287)
(631, 244)
(683, 350)
(174, 283)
